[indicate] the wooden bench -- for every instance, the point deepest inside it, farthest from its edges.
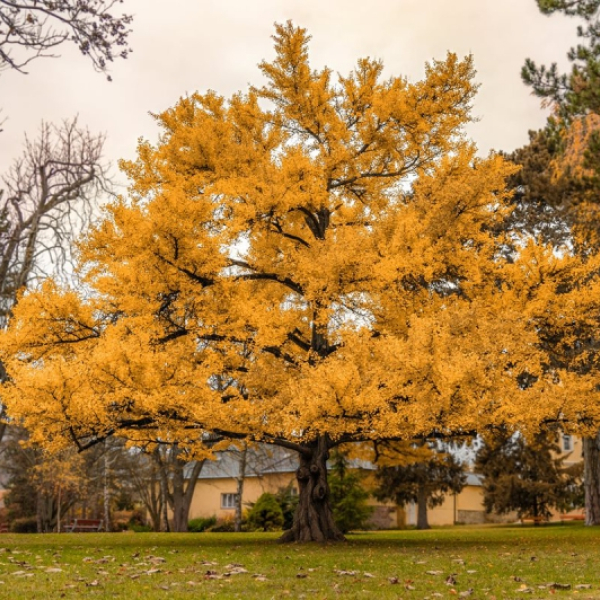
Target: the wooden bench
(79, 525)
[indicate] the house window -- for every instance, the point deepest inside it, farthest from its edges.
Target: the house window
(567, 443)
(228, 500)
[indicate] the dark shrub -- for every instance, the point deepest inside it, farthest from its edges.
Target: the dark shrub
(202, 523)
(24, 525)
(266, 514)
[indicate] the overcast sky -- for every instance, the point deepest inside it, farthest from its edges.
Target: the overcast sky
(186, 45)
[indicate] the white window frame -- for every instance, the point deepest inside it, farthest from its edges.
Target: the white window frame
(228, 501)
(567, 442)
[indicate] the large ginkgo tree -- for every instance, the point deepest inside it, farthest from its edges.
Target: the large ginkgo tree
(316, 261)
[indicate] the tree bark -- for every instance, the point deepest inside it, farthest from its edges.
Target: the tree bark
(313, 520)
(106, 491)
(164, 492)
(591, 479)
(240, 488)
(422, 520)
(182, 494)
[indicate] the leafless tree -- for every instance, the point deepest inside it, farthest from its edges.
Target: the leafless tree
(31, 29)
(178, 490)
(46, 198)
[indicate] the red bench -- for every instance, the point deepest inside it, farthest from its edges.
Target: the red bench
(79, 525)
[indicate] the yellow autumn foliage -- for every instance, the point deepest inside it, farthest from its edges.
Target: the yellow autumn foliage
(318, 257)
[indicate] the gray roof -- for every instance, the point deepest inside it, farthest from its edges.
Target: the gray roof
(474, 479)
(264, 459)
(260, 460)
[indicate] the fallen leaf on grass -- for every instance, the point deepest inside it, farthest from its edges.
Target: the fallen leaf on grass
(559, 586)
(393, 580)
(583, 586)
(433, 572)
(236, 570)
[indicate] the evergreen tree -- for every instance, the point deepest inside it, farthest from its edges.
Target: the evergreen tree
(348, 496)
(265, 514)
(287, 498)
(425, 477)
(575, 97)
(578, 92)
(528, 477)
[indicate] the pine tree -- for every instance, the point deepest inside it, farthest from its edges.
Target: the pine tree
(425, 476)
(349, 498)
(528, 477)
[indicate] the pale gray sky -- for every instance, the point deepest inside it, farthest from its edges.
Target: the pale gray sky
(186, 45)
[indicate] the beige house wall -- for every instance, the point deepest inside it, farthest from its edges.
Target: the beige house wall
(466, 507)
(207, 495)
(207, 501)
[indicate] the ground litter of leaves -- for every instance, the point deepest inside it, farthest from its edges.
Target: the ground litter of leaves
(477, 563)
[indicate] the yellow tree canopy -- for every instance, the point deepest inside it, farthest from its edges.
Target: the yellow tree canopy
(313, 262)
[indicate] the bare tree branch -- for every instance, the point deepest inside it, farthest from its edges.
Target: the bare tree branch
(31, 29)
(48, 195)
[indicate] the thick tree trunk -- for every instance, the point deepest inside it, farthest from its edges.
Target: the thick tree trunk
(181, 498)
(422, 520)
(591, 479)
(176, 498)
(313, 520)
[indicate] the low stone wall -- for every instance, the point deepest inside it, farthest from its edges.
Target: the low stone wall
(471, 517)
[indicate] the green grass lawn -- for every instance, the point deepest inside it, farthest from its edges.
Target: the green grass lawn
(488, 562)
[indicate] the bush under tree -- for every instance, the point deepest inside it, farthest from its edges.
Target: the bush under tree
(265, 514)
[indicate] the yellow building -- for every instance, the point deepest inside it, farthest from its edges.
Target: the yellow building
(267, 469)
(270, 468)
